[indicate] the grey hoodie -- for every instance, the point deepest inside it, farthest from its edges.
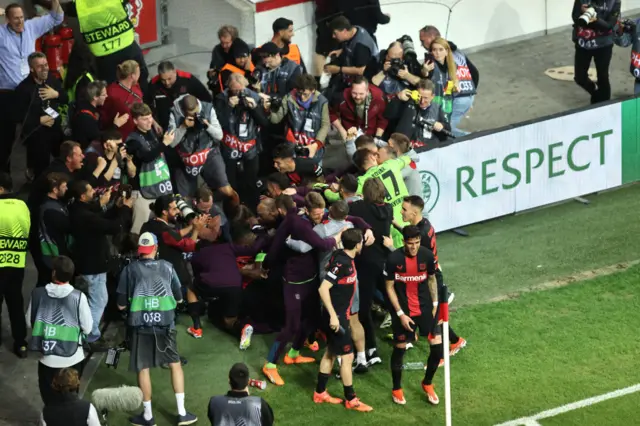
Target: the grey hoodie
(59, 291)
(176, 116)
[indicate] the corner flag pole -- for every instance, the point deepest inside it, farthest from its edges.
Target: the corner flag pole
(444, 316)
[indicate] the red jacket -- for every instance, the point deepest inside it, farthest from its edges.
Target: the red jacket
(347, 112)
(119, 101)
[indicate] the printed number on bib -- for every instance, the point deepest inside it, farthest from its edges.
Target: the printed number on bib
(165, 187)
(48, 345)
(9, 258)
(390, 176)
(111, 44)
(587, 44)
(466, 86)
(193, 171)
(151, 317)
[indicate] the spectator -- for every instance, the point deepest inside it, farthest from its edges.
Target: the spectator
(17, 42)
(307, 117)
(394, 76)
(15, 223)
(443, 74)
(362, 109)
(68, 409)
(121, 96)
(280, 74)
(237, 406)
(152, 325)
(154, 178)
(39, 99)
(241, 64)
(172, 243)
(90, 248)
(221, 53)
(109, 17)
(109, 160)
(424, 122)
(54, 227)
(81, 70)
(365, 13)
(300, 171)
(58, 306)
(241, 120)
(85, 122)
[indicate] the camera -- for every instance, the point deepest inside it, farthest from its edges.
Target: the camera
(588, 15)
(255, 77)
(301, 151)
(429, 123)
(396, 66)
(242, 98)
(276, 102)
(408, 48)
(185, 210)
(415, 96)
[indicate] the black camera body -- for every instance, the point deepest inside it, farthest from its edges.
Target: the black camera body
(396, 66)
(301, 151)
(276, 102)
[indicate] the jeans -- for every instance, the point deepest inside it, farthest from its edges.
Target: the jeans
(98, 298)
(636, 87)
(461, 106)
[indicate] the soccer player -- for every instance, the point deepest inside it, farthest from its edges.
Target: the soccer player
(412, 208)
(413, 292)
(337, 292)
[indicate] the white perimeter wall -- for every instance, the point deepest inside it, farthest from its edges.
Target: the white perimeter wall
(473, 23)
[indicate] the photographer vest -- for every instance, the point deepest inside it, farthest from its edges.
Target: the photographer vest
(444, 88)
(105, 26)
(591, 39)
(197, 144)
(361, 37)
(48, 246)
(56, 323)
(635, 55)
(67, 410)
(228, 410)
(303, 125)
(241, 132)
(391, 86)
(154, 176)
(422, 133)
(152, 303)
(467, 86)
(274, 82)
(15, 222)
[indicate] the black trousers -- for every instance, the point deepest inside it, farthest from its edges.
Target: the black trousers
(7, 128)
(11, 292)
(370, 279)
(45, 378)
(107, 65)
(602, 59)
(243, 178)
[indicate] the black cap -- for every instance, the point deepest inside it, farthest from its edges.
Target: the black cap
(239, 376)
(269, 49)
(281, 24)
(240, 49)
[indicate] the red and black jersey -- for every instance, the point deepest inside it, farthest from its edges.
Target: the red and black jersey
(306, 171)
(410, 276)
(428, 238)
(341, 273)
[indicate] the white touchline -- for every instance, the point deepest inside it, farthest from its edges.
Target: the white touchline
(533, 420)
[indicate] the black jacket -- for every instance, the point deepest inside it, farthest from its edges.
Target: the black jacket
(90, 227)
(379, 217)
(85, 124)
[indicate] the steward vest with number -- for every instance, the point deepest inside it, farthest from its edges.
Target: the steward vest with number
(151, 303)
(229, 410)
(56, 323)
(196, 145)
(444, 88)
(274, 82)
(234, 70)
(105, 26)
(591, 39)
(15, 224)
(467, 86)
(240, 133)
(361, 37)
(298, 130)
(422, 135)
(49, 247)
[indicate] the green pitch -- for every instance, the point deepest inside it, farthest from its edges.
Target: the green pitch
(527, 352)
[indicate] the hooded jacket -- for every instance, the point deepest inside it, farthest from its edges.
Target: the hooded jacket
(59, 291)
(379, 217)
(374, 119)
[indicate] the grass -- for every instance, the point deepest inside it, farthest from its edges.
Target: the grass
(614, 412)
(526, 355)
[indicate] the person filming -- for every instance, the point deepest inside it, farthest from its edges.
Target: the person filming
(593, 23)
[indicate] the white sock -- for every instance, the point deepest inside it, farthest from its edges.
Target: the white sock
(147, 410)
(180, 402)
(361, 358)
(339, 361)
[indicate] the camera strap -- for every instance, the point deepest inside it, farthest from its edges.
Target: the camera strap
(367, 104)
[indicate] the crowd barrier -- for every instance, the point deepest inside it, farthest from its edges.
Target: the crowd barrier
(531, 164)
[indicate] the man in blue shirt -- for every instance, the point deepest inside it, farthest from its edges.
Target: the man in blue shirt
(17, 41)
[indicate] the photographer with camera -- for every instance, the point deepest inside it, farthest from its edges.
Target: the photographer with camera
(307, 118)
(107, 159)
(197, 140)
(422, 120)
(593, 25)
(149, 289)
(173, 243)
(395, 76)
(241, 119)
(241, 64)
(280, 75)
(90, 249)
(221, 53)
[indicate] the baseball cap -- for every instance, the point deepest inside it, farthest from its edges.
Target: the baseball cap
(270, 49)
(147, 243)
(240, 49)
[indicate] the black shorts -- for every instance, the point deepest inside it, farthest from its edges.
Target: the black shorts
(338, 343)
(424, 325)
(152, 348)
(229, 299)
